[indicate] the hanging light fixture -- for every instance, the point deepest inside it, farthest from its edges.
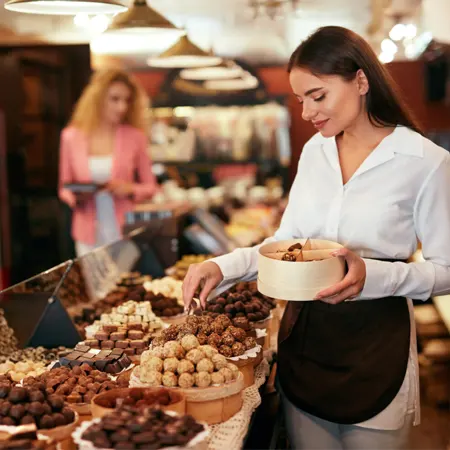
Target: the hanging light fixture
(224, 71)
(184, 53)
(274, 9)
(65, 7)
(141, 18)
(246, 82)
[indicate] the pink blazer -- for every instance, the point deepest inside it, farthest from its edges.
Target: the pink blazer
(130, 157)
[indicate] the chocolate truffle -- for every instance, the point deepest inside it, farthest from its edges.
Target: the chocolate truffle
(169, 379)
(202, 379)
(18, 395)
(226, 351)
(214, 340)
(189, 342)
(205, 365)
(186, 381)
(185, 366)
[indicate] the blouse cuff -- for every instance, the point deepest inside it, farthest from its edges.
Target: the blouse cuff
(379, 279)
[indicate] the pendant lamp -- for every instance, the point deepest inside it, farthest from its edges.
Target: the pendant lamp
(65, 7)
(221, 72)
(141, 18)
(184, 53)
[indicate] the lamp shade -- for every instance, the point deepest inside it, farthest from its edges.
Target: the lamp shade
(141, 18)
(184, 53)
(65, 7)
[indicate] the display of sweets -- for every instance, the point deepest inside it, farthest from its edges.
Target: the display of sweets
(167, 286)
(164, 306)
(32, 404)
(132, 312)
(38, 354)
(185, 364)
(77, 385)
(219, 333)
(8, 342)
(246, 303)
(18, 371)
(106, 360)
(129, 428)
(132, 279)
(132, 338)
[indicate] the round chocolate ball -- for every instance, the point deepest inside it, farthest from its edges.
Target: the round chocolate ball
(8, 421)
(27, 420)
(46, 422)
(68, 414)
(56, 402)
(59, 419)
(4, 390)
(36, 409)
(17, 411)
(36, 396)
(18, 395)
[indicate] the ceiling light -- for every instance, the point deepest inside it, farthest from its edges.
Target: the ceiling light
(212, 73)
(184, 53)
(398, 32)
(240, 84)
(386, 57)
(387, 46)
(141, 18)
(65, 7)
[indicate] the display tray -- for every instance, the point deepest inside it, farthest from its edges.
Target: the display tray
(300, 280)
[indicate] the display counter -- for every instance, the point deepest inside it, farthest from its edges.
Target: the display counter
(96, 316)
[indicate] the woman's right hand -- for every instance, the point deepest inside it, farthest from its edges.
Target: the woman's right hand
(208, 272)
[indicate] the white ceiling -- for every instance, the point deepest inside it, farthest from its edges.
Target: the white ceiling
(224, 25)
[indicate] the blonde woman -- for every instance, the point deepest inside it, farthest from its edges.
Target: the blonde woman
(106, 144)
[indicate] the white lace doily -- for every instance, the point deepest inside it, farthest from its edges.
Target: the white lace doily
(230, 435)
(252, 353)
(261, 332)
(197, 443)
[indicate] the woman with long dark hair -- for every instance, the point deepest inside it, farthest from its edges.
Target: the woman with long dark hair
(347, 362)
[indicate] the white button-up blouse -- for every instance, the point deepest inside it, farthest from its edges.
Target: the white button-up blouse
(399, 195)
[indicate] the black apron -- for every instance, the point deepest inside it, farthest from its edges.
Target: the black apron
(344, 363)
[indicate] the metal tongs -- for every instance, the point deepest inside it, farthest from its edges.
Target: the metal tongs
(198, 304)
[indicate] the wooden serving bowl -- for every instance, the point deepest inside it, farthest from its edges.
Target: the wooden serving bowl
(302, 280)
(99, 402)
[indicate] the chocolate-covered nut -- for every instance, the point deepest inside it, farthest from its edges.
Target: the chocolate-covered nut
(17, 412)
(59, 419)
(36, 396)
(36, 409)
(56, 402)
(27, 420)
(46, 422)
(68, 414)
(226, 351)
(18, 395)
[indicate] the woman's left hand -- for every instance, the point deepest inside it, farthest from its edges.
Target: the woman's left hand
(353, 282)
(120, 188)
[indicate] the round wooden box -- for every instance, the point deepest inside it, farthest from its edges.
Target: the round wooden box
(303, 280)
(211, 405)
(215, 404)
(177, 405)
